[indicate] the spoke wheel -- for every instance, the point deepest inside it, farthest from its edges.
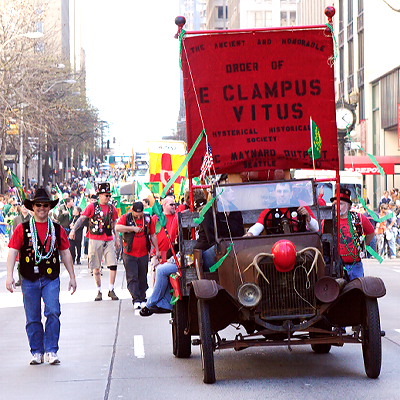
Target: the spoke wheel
(371, 339)
(206, 338)
(182, 347)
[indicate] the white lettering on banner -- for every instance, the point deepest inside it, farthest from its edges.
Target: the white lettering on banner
(364, 170)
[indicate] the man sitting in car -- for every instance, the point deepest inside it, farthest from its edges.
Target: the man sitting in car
(300, 218)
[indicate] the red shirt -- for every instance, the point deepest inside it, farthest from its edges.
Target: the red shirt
(262, 216)
(139, 245)
(163, 241)
(17, 239)
(89, 212)
(347, 249)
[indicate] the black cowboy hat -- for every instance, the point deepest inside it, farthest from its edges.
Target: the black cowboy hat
(103, 187)
(345, 195)
(40, 196)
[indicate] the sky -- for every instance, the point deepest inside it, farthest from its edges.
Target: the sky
(132, 67)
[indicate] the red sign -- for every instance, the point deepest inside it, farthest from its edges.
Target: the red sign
(254, 92)
(365, 166)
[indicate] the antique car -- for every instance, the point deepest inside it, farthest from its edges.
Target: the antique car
(278, 302)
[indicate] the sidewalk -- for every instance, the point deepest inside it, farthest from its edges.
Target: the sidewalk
(89, 333)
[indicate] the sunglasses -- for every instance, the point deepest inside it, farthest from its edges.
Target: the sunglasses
(44, 205)
(107, 195)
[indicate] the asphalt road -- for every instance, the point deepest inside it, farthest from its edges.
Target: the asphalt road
(108, 351)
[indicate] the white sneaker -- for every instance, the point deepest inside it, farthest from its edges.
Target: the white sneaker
(143, 304)
(136, 305)
(52, 358)
(37, 359)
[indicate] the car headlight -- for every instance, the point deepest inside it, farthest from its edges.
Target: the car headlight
(249, 294)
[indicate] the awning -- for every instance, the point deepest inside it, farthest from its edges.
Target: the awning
(364, 164)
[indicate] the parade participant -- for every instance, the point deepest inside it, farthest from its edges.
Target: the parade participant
(102, 217)
(271, 217)
(380, 229)
(138, 234)
(352, 228)
(40, 242)
(76, 244)
(164, 243)
(64, 216)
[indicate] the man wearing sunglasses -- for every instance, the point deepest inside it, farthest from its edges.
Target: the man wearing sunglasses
(102, 217)
(39, 242)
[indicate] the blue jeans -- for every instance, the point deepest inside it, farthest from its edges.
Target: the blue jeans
(161, 296)
(355, 270)
(42, 340)
(209, 258)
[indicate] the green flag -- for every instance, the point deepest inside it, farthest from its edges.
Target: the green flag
(89, 186)
(162, 219)
(315, 150)
(83, 202)
(17, 184)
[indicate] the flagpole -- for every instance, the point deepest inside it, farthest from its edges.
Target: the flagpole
(312, 146)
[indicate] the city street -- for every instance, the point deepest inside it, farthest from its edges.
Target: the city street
(108, 351)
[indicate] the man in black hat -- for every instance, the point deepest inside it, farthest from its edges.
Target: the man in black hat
(39, 243)
(139, 233)
(102, 217)
(352, 228)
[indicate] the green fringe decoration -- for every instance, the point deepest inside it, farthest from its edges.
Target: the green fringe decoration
(374, 254)
(181, 37)
(219, 263)
(184, 164)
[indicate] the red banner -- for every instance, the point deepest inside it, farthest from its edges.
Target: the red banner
(255, 92)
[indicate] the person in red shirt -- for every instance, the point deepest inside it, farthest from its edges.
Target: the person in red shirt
(139, 234)
(354, 229)
(39, 242)
(102, 217)
(164, 243)
(301, 217)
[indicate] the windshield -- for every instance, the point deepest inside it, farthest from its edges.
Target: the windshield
(259, 196)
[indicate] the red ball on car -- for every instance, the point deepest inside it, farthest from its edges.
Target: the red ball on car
(284, 252)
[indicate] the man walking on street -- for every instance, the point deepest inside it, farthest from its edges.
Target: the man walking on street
(102, 217)
(138, 234)
(353, 227)
(40, 242)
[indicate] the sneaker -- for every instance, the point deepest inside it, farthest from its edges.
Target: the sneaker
(99, 297)
(112, 294)
(136, 305)
(37, 359)
(143, 304)
(52, 358)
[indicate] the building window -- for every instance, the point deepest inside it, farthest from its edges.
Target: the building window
(220, 10)
(349, 11)
(350, 56)
(288, 18)
(341, 63)
(260, 19)
(360, 6)
(340, 15)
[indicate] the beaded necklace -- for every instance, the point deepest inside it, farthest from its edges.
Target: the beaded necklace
(352, 219)
(39, 256)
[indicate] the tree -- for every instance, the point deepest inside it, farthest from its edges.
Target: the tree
(41, 104)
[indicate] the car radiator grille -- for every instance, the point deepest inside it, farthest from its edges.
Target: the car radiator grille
(288, 294)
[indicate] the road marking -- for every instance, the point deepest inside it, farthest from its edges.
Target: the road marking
(3, 274)
(397, 330)
(138, 346)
